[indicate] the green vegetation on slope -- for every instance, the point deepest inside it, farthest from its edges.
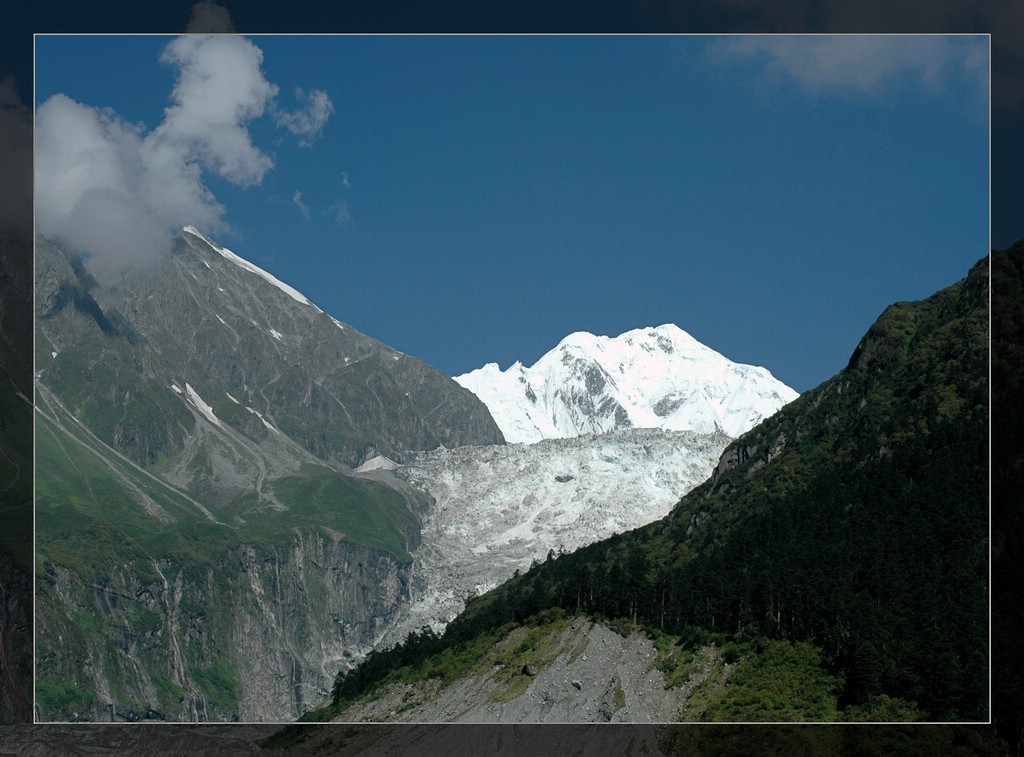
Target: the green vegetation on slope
(725, 680)
(91, 503)
(105, 525)
(158, 522)
(777, 681)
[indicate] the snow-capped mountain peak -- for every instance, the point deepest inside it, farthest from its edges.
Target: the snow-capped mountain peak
(653, 377)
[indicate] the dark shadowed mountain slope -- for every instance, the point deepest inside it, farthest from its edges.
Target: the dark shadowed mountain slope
(855, 519)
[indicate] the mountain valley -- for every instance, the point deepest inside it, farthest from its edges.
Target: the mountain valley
(836, 557)
(239, 495)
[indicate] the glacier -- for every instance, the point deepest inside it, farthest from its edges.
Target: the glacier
(604, 435)
(497, 508)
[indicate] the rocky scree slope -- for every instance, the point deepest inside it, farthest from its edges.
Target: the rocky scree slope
(575, 671)
(204, 552)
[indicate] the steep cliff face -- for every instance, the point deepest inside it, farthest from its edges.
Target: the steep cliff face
(254, 636)
(324, 605)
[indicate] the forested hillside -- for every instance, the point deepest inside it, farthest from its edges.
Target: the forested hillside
(855, 520)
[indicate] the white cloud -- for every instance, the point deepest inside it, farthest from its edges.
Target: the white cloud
(297, 199)
(862, 63)
(344, 180)
(104, 189)
(117, 192)
(309, 122)
(220, 88)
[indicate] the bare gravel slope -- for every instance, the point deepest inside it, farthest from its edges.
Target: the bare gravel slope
(582, 672)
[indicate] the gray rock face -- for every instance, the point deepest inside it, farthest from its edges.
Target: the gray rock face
(256, 636)
(230, 333)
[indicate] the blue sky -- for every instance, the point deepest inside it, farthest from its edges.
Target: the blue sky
(475, 199)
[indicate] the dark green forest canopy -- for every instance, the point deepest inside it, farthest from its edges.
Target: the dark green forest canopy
(855, 519)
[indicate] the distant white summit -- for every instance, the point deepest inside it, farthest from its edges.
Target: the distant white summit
(647, 378)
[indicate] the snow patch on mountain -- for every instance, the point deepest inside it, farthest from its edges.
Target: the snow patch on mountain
(497, 508)
(377, 463)
(259, 415)
(200, 405)
(646, 378)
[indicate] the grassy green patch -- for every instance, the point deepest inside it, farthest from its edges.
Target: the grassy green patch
(781, 682)
(676, 665)
(218, 684)
(167, 689)
(619, 695)
(366, 512)
(91, 512)
(63, 697)
(536, 644)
